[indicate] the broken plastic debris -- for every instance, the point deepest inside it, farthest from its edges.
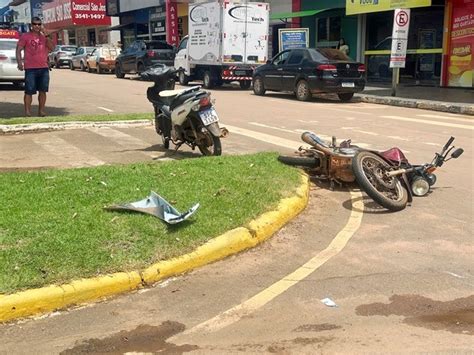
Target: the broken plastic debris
(156, 206)
(329, 302)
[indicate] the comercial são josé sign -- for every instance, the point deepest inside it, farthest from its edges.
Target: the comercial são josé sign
(364, 6)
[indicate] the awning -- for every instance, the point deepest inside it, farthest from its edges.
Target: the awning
(118, 27)
(284, 15)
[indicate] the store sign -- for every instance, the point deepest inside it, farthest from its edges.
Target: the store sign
(10, 34)
(65, 13)
(293, 38)
(112, 7)
(37, 8)
(365, 6)
(172, 34)
(461, 54)
(401, 24)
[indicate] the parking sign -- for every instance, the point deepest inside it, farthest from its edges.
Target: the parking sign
(401, 23)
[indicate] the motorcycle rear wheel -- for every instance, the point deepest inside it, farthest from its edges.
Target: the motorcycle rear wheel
(306, 162)
(215, 149)
(369, 171)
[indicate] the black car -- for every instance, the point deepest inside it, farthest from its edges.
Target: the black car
(141, 55)
(307, 71)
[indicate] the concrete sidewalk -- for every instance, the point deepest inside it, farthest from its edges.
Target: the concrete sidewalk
(423, 97)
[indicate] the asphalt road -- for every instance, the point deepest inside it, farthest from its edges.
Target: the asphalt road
(402, 282)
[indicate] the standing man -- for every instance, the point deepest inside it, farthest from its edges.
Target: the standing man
(36, 46)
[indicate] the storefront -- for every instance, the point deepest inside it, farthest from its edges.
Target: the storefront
(150, 20)
(77, 22)
(425, 45)
(458, 68)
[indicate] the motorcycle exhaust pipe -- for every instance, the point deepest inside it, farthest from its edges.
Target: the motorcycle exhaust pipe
(399, 172)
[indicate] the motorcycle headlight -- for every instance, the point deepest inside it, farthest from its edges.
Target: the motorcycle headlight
(420, 186)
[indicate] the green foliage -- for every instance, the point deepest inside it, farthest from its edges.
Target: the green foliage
(77, 118)
(53, 227)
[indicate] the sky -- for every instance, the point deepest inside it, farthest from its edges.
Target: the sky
(4, 3)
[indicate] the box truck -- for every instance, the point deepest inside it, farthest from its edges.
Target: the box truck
(226, 41)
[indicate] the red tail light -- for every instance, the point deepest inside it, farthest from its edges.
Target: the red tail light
(226, 73)
(150, 53)
(325, 67)
(3, 57)
(205, 101)
(361, 68)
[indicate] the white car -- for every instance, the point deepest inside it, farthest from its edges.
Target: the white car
(8, 65)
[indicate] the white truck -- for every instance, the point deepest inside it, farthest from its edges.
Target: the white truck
(226, 41)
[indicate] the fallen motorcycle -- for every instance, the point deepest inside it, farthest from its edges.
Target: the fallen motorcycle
(387, 176)
(326, 161)
(183, 116)
(391, 181)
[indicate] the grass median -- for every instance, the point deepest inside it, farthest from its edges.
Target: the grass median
(53, 227)
(77, 118)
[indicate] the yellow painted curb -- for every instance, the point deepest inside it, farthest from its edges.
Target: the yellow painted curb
(50, 298)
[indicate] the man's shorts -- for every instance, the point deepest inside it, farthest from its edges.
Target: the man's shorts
(36, 80)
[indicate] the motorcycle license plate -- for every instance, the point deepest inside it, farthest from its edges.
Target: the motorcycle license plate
(347, 85)
(208, 116)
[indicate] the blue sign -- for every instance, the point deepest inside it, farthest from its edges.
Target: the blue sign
(293, 38)
(37, 8)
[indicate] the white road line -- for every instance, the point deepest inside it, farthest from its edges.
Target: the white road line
(459, 119)
(360, 131)
(434, 123)
(282, 142)
(275, 128)
(399, 138)
(119, 137)
(302, 121)
(105, 109)
(267, 295)
(435, 144)
(66, 152)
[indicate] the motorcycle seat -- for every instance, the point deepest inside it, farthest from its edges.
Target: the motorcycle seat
(170, 93)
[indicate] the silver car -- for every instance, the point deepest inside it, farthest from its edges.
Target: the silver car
(8, 65)
(61, 55)
(79, 59)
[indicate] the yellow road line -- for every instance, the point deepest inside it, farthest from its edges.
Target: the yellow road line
(259, 300)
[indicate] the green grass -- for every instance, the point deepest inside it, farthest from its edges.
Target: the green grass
(53, 227)
(73, 118)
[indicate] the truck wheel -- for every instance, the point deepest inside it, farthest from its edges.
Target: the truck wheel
(258, 87)
(183, 78)
(207, 80)
(245, 85)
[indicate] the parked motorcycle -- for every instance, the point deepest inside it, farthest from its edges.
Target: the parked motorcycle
(391, 181)
(327, 161)
(183, 116)
(387, 177)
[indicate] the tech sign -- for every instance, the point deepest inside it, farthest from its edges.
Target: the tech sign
(65, 13)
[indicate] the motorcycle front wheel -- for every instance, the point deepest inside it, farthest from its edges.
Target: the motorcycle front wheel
(369, 170)
(210, 146)
(306, 162)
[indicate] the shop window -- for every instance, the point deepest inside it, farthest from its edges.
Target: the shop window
(72, 36)
(329, 29)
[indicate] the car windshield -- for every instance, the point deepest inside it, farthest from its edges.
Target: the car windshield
(68, 49)
(323, 54)
(7, 45)
(89, 50)
(158, 45)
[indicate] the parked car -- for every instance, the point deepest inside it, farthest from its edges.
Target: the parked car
(8, 65)
(307, 71)
(379, 64)
(61, 55)
(79, 59)
(141, 55)
(102, 59)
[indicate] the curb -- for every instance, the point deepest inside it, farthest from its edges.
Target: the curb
(51, 298)
(442, 106)
(58, 126)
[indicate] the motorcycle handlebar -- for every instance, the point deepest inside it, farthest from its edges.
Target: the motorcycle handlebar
(451, 140)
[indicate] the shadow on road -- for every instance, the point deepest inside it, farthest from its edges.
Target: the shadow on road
(14, 110)
(370, 207)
